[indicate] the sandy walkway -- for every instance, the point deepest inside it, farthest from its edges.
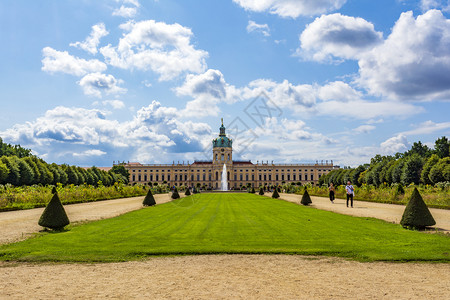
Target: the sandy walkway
(18, 225)
(226, 277)
(387, 212)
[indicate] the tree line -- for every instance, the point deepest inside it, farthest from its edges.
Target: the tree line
(419, 165)
(19, 167)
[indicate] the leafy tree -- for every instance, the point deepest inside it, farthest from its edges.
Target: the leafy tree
(54, 215)
(354, 175)
(440, 171)
(72, 175)
(26, 172)
(420, 149)
(34, 167)
(119, 169)
(416, 214)
(442, 147)
(4, 171)
(397, 171)
(412, 170)
(431, 161)
(13, 150)
(14, 171)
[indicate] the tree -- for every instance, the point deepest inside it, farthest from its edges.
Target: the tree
(306, 199)
(420, 149)
(397, 170)
(34, 167)
(355, 175)
(26, 172)
(412, 170)
(416, 214)
(149, 200)
(430, 163)
(442, 147)
(4, 171)
(54, 215)
(14, 171)
(440, 171)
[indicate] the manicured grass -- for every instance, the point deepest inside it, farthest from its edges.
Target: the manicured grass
(231, 223)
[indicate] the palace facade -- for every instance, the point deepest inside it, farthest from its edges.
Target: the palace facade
(239, 173)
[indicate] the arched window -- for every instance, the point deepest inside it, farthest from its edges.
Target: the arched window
(228, 159)
(217, 175)
(216, 156)
(222, 157)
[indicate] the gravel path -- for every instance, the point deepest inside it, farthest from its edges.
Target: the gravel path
(227, 277)
(21, 224)
(388, 212)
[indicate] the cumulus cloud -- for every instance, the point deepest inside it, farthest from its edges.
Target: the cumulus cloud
(116, 104)
(208, 90)
(262, 28)
(163, 48)
(90, 44)
(395, 144)
(55, 61)
(364, 129)
(64, 133)
(338, 91)
(435, 4)
(95, 84)
(337, 36)
(128, 9)
(428, 127)
(414, 62)
(291, 8)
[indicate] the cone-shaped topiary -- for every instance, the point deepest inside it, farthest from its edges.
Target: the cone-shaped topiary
(253, 190)
(188, 192)
(275, 194)
(261, 191)
(175, 194)
(54, 191)
(54, 215)
(149, 200)
(416, 214)
(306, 199)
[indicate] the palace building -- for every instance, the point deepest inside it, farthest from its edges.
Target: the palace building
(239, 173)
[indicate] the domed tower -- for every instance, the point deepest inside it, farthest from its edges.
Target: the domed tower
(222, 149)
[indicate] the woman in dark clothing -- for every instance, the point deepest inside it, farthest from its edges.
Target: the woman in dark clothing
(331, 189)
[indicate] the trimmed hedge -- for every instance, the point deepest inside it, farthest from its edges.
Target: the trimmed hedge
(175, 194)
(416, 214)
(149, 200)
(54, 215)
(275, 194)
(306, 199)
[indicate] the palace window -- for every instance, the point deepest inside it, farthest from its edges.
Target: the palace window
(270, 177)
(246, 177)
(282, 177)
(162, 177)
(293, 177)
(276, 177)
(157, 177)
(253, 177)
(312, 177)
(151, 177)
(145, 177)
(265, 177)
(176, 177)
(168, 177)
(134, 177)
(288, 177)
(306, 176)
(260, 177)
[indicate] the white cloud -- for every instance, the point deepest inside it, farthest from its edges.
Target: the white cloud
(338, 91)
(413, 63)
(163, 48)
(262, 28)
(90, 44)
(395, 144)
(428, 127)
(116, 104)
(291, 8)
(363, 109)
(61, 61)
(64, 133)
(92, 152)
(337, 36)
(364, 129)
(208, 90)
(438, 4)
(94, 84)
(127, 11)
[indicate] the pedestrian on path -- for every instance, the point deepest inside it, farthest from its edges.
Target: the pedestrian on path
(350, 192)
(331, 189)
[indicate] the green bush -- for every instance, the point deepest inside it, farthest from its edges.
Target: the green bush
(306, 199)
(54, 215)
(275, 194)
(399, 190)
(261, 191)
(175, 194)
(253, 190)
(188, 192)
(416, 214)
(149, 200)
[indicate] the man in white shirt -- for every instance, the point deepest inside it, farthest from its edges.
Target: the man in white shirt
(350, 192)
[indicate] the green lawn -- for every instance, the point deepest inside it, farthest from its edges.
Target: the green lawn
(231, 223)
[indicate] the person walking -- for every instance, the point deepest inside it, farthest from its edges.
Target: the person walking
(331, 189)
(350, 192)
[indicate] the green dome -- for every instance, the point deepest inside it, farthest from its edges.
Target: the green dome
(222, 140)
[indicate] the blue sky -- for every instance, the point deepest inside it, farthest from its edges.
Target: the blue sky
(92, 82)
